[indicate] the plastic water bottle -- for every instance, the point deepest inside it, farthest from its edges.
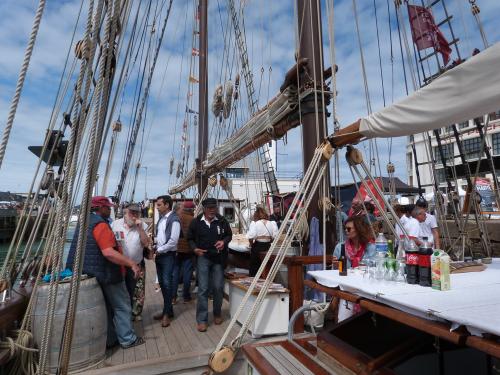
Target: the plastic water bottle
(381, 244)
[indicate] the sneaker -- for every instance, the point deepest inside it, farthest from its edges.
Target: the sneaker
(217, 320)
(138, 341)
(202, 327)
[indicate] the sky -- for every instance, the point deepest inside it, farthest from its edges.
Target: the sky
(270, 36)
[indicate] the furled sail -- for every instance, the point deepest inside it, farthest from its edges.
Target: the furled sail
(468, 90)
(271, 122)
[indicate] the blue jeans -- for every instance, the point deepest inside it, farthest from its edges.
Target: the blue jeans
(165, 264)
(119, 314)
(210, 274)
(184, 267)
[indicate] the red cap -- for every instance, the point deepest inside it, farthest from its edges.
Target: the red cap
(100, 201)
(188, 204)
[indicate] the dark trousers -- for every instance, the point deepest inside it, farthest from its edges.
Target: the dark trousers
(255, 261)
(165, 270)
(183, 270)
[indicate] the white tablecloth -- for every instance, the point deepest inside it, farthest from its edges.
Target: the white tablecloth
(473, 301)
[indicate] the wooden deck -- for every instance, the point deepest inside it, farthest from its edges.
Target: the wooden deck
(180, 339)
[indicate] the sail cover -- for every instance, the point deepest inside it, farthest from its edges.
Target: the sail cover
(469, 90)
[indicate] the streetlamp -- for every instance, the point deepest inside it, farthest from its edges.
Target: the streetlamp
(145, 184)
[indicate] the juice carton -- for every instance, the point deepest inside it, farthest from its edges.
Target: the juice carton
(440, 270)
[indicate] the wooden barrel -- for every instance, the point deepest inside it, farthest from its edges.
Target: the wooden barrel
(89, 338)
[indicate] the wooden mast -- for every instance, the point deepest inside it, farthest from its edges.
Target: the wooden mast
(310, 48)
(202, 179)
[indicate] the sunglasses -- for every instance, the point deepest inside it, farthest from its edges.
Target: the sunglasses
(348, 229)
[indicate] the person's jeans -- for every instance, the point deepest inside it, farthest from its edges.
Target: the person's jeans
(183, 269)
(209, 272)
(119, 314)
(165, 270)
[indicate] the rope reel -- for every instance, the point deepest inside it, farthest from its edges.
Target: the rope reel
(221, 360)
(217, 102)
(212, 181)
(353, 156)
(171, 166)
(117, 126)
(223, 182)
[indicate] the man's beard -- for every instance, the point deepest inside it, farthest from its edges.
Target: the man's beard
(129, 222)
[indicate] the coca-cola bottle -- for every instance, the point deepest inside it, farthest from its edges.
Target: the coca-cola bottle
(424, 263)
(411, 251)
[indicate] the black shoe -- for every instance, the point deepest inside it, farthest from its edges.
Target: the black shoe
(138, 341)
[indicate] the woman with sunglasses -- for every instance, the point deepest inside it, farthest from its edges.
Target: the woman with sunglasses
(359, 243)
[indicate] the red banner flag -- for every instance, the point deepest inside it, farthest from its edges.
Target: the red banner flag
(425, 32)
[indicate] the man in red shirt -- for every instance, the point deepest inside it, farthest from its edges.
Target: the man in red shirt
(104, 260)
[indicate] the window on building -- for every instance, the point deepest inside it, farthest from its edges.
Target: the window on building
(440, 175)
(463, 125)
(449, 129)
(448, 153)
(472, 147)
(235, 172)
(479, 120)
(495, 140)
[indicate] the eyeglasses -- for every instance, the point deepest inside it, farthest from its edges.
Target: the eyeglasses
(348, 229)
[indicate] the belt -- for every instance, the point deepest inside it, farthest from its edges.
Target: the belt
(263, 241)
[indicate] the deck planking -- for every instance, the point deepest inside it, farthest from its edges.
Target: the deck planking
(180, 338)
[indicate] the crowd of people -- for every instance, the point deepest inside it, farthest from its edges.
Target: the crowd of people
(362, 225)
(116, 250)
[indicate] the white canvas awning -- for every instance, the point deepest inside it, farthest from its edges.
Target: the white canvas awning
(467, 91)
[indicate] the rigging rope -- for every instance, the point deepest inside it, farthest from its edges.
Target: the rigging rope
(20, 80)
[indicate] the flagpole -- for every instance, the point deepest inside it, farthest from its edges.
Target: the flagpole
(203, 97)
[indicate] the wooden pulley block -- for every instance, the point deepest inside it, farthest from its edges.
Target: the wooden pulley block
(326, 203)
(327, 151)
(117, 126)
(212, 181)
(223, 182)
(80, 49)
(354, 156)
(475, 9)
(223, 359)
(390, 168)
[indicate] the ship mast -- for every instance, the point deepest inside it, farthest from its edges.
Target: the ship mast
(202, 179)
(311, 48)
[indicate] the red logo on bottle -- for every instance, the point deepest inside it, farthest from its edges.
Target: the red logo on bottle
(412, 259)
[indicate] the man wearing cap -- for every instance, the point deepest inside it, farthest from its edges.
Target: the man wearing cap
(167, 236)
(104, 261)
(208, 236)
(184, 264)
(130, 231)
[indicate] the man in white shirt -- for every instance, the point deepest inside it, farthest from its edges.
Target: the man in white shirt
(400, 212)
(167, 236)
(130, 232)
(429, 227)
(412, 225)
